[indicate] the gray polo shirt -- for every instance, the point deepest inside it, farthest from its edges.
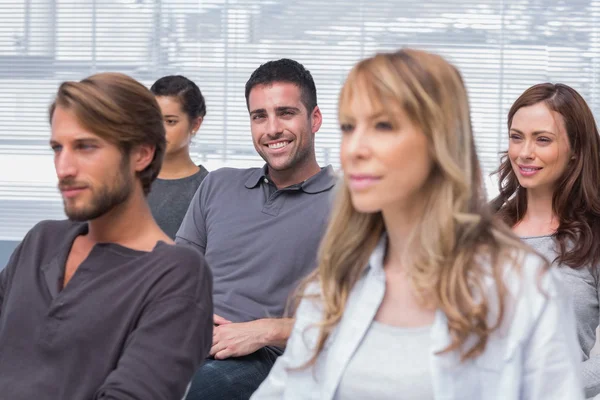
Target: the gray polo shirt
(129, 324)
(258, 241)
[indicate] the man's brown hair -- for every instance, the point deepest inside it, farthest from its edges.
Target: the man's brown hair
(120, 110)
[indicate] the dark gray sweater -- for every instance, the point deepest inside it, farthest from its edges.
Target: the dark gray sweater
(129, 324)
(169, 200)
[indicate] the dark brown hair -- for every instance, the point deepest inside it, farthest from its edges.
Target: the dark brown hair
(287, 71)
(576, 198)
(185, 91)
(120, 110)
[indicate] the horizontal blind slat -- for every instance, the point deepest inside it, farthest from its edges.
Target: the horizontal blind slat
(500, 47)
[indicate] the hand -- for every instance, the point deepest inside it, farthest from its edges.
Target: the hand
(239, 339)
(218, 320)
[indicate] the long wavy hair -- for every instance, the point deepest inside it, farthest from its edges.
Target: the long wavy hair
(457, 245)
(576, 197)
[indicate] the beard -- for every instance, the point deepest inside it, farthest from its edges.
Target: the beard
(104, 198)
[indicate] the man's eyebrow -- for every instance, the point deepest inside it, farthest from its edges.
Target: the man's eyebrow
(258, 111)
(287, 108)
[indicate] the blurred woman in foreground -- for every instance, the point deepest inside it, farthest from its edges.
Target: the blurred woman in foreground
(419, 292)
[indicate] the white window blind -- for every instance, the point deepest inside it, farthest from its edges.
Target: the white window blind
(501, 47)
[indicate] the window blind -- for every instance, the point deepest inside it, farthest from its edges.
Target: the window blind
(501, 48)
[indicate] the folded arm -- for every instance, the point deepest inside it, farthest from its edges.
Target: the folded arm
(591, 376)
(161, 355)
(240, 339)
(552, 354)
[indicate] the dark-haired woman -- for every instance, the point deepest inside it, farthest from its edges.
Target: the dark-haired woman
(550, 196)
(183, 110)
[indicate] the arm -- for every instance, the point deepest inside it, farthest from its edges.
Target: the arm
(280, 332)
(591, 367)
(240, 339)
(170, 341)
(300, 348)
(552, 355)
(8, 271)
(591, 376)
(3, 286)
(193, 227)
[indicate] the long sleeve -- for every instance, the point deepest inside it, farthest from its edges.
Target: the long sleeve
(3, 286)
(591, 376)
(552, 355)
(300, 348)
(8, 271)
(163, 349)
(591, 367)
(171, 340)
(4, 278)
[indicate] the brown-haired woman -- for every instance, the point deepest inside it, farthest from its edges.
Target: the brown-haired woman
(420, 293)
(550, 195)
(184, 109)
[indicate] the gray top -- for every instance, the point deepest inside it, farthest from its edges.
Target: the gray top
(258, 241)
(584, 289)
(169, 199)
(129, 323)
(390, 363)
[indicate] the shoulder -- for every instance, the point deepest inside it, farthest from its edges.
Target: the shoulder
(526, 272)
(310, 307)
(227, 179)
(202, 172)
(183, 268)
(45, 240)
(54, 226)
(520, 269)
(52, 231)
(186, 258)
(529, 286)
(228, 174)
(199, 177)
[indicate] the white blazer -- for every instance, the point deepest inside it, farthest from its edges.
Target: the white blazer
(534, 355)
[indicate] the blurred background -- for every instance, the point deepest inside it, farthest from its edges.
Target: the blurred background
(501, 47)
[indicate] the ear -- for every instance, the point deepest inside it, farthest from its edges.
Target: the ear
(142, 156)
(316, 119)
(196, 125)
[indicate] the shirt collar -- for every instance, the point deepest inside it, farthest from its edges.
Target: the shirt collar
(54, 270)
(323, 180)
(378, 255)
(257, 175)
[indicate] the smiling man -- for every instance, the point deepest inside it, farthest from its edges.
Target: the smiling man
(103, 305)
(259, 230)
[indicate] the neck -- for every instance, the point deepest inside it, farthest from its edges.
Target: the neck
(129, 224)
(399, 225)
(294, 175)
(178, 165)
(539, 207)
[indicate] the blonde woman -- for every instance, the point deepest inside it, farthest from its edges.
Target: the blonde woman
(419, 293)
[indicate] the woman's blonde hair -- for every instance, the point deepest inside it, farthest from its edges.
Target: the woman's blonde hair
(445, 264)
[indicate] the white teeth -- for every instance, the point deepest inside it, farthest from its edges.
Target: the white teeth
(529, 169)
(278, 145)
